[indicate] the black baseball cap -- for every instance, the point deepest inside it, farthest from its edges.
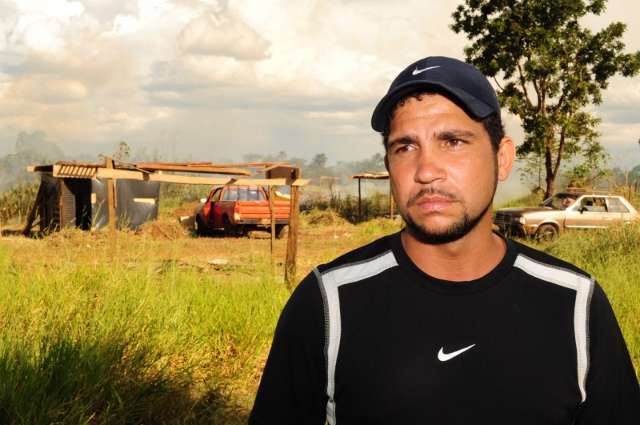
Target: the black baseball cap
(459, 81)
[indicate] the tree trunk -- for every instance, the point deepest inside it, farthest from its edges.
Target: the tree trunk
(550, 176)
(550, 186)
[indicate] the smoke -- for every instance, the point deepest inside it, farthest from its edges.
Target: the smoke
(30, 149)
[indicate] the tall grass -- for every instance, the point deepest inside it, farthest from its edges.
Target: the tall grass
(123, 342)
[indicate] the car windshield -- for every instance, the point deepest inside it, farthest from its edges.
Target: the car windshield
(560, 201)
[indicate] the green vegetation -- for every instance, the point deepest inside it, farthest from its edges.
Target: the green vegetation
(346, 206)
(17, 202)
(549, 68)
(147, 329)
(132, 340)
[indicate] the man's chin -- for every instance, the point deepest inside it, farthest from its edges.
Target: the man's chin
(436, 236)
(438, 230)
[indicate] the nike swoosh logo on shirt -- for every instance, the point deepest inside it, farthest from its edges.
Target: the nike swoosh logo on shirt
(443, 357)
(419, 71)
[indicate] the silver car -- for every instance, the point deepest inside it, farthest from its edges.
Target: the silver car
(565, 210)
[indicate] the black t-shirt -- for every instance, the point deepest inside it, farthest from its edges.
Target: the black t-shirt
(371, 339)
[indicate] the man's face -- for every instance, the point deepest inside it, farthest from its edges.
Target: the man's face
(443, 170)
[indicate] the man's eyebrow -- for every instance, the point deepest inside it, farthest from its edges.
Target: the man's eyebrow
(404, 140)
(454, 134)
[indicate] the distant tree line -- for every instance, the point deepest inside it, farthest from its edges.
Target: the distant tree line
(318, 166)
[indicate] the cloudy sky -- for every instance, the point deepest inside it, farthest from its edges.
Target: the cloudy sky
(215, 79)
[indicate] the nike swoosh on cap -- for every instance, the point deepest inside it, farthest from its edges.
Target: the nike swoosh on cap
(419, 71)
(443, 357)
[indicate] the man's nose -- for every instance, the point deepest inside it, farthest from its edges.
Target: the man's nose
(429, 168)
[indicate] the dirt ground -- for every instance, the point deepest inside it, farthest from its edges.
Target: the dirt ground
(322, 237)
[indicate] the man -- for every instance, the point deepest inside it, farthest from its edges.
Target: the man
(568, 201)
(446, 322)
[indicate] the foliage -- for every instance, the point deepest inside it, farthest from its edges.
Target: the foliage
(531, 200)
(551, 69)
(346, 206)
(630, 178)
(173, 195)
(123, 153)
(17, 202)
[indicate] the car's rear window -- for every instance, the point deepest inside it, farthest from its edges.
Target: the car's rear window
(616, 206)
(243, 194)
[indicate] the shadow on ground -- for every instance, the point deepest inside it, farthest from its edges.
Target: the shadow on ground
(117, 381)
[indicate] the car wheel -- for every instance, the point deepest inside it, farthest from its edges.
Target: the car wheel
(229, 228)
(546, 233)
(200, 227)
(282, 230)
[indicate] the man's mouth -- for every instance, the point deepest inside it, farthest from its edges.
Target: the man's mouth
(433, 203)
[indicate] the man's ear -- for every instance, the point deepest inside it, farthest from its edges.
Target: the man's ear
(506, 155)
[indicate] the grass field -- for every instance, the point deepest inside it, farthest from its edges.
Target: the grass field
(146, 330)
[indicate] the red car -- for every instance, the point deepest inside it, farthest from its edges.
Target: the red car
(238, 209)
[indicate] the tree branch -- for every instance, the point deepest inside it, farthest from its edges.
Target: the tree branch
(560, 149)
(543, 95)
(523, 83)
(539, 97)
(560, 102)
(495, 80)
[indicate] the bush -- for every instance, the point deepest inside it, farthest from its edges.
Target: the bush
(346, 206)
(17, 202)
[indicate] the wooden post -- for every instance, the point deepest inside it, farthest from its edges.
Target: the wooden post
(34, 211)
(292, 240)
(359, 201)
(111, 199)
(272, 193)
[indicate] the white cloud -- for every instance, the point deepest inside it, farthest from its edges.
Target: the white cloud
(46, 90)
(125, 24)
(222, 35)
(222, 78)
(40, 26)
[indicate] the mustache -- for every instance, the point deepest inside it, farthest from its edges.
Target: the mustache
(431, 191)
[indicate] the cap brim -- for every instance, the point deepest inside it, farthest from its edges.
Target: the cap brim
(472, 106)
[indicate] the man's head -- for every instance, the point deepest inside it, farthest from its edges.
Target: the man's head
(445, 147)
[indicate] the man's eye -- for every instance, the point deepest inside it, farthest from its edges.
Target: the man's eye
(454, 143)
(404, 148)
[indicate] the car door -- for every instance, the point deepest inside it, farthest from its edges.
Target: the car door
(589, 212)
(573, 216)
(229, 196)
(213, 198)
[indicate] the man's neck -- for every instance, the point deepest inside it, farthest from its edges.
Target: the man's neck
(468, 258)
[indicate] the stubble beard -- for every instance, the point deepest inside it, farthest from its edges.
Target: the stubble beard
(453, 232)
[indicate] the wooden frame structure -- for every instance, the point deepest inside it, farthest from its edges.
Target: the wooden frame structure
(276, 174)
(380, 175)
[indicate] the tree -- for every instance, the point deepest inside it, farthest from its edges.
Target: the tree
(548, 68)
(123, 153)
(319, 161)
